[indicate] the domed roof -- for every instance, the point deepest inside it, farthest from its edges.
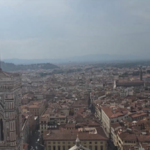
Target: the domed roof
(77, 141)
(78, 145)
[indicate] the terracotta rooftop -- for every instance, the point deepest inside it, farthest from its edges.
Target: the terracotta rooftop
(115, 125)
(67, 135)
(138, 115)
(109, 111)
(128, 137)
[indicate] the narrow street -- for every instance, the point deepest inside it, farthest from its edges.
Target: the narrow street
(34, 144)
(111, 145)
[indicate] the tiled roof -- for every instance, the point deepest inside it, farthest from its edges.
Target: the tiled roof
(70, 135)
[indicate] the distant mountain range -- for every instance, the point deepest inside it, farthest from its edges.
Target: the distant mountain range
(79, 59)
(13, 67)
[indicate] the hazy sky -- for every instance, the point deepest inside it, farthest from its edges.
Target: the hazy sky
(65, 28)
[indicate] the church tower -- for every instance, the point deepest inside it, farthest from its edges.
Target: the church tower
(141, 74)
(10, 113)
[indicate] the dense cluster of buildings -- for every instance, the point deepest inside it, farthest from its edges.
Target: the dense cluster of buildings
(98, 108)
(108, 108)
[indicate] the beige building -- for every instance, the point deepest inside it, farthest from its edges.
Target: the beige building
(49, 121)
(110, 115)
(10, 113)
(115, 127)
(37, 107)
(44, 119)
(64, 139)
(58, 118)
(126, 139)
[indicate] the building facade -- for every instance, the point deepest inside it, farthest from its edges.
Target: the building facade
(37, 107)
(111, 115)
(10, 113)
(64, 139)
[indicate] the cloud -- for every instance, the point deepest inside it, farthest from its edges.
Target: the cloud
(66, 28)
(137, 8)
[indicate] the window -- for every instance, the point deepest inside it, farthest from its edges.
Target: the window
(58, 147)
(95, 142)
(49, 148)
(53, 142)
(90, 142)
(7, 115)
(49, 142)
(54, 148)
(101, 142)
(95, 147)
(63, 147)
(58, 142)
(101, 148)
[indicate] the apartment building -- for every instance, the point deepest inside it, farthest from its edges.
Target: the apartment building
(51, 121)
(37, 107)
(110, 115)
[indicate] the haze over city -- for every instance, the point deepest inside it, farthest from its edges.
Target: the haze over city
(59, 29)
(74, 75)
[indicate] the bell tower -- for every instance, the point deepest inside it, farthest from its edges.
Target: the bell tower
(10, 113)
(141, 73)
